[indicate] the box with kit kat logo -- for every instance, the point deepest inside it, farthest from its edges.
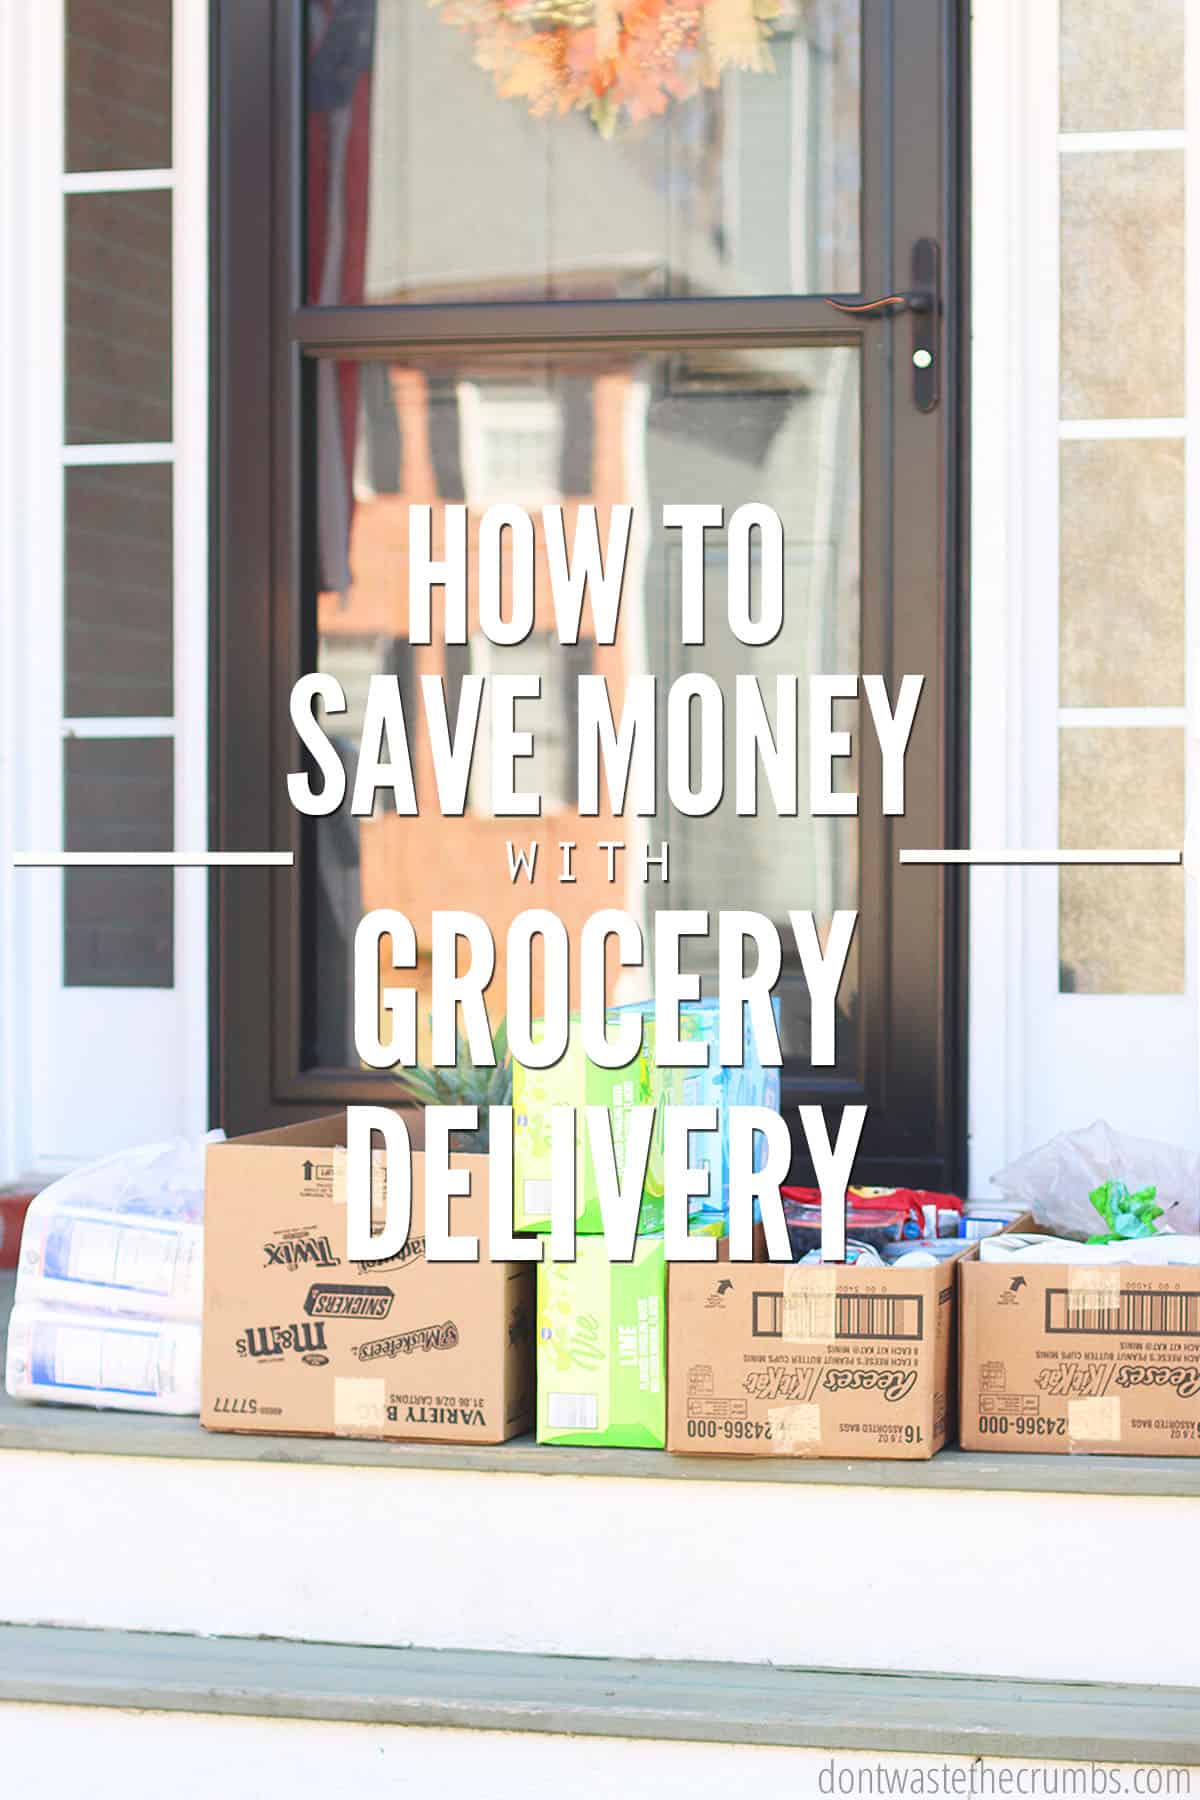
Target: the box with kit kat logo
(817, 1360)
(1095, 1358)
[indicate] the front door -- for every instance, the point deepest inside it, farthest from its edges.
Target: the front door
(471, 255)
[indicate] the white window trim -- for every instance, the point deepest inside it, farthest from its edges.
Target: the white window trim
(32, 459)
(1017, 1017)
(18, 110)
(1006, 117)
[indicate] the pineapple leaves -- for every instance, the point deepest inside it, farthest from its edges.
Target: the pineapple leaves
(464, 1085)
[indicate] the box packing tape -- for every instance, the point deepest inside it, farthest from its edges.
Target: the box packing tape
(795, 1430)
(378, 1183)
(1092, 1292)
(359, 1406)
(810, 1304)
(1094, 1421)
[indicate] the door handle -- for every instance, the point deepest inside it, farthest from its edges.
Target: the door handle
(923, 301)
(913, 301)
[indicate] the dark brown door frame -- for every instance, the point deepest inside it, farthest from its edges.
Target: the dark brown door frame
(913, 926)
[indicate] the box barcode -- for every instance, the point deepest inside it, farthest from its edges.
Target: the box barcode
(899, 1317)
(573, 1412)
(1129, 1314)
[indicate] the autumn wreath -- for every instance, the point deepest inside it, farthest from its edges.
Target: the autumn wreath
(608, 59)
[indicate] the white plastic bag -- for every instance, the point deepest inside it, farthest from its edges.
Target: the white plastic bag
(1054, 1181)
(165, 1180)
(124, 1235)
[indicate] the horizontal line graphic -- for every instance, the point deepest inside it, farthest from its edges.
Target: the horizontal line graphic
(153, 859)
(1065, 859)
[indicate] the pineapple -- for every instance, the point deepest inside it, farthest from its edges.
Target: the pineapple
(464, 1085)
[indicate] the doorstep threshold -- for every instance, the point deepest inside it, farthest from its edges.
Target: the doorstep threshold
(81, 1431)
(78, 1432)
(739, 1703)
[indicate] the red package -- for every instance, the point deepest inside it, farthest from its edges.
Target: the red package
(873, 1215)
(13, 1208)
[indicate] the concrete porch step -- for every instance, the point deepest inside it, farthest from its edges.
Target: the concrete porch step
(712, 1703)
(994, 1566)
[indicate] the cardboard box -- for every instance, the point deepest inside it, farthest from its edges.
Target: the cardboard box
(828, 1360)
(577, 1081)
(298, 1340)
(1098, 1359)
(601, 1348)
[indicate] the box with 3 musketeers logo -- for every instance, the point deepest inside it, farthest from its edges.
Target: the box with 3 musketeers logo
(298, 1339)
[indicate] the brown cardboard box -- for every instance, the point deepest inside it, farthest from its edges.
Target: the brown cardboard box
(764, 1359)
(1099, 1359)
(298, 1340)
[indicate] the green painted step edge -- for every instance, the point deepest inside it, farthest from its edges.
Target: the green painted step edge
(78, 1431)
(690, 1702)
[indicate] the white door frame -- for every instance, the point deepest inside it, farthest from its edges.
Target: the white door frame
(84, 1067)
(1041, 1061)
(1014, 238)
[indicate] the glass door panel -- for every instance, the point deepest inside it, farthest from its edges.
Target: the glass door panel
(495, 153)
(452, 276)
(775, 426)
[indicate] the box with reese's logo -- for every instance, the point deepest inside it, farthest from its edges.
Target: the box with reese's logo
(298, 1340)
(1100, 1359)
(825, 1360)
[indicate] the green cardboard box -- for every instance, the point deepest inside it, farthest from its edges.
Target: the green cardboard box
(578, 1082)
(601, 1348)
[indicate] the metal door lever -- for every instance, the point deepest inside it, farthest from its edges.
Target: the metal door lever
(916, 302)
(924, 301)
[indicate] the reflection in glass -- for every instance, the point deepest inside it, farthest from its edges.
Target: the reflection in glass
(426, 182)
(1122, 786)
(118, 638)
(118, 98)
(119, 318)
(118, 924)
(771, 425)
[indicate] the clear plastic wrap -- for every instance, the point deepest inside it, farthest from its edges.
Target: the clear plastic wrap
(124, 1235)
(112, 1262)
(110, 1284)
(1054, 1181)
(95, 1359)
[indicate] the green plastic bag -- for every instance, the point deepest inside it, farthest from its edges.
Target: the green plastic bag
(1126, 1215)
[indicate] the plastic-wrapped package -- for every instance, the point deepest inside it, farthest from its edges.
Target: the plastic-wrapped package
(1161, 1250)
(1054, 1181)
(110, 1284)
(95, 1359)
(875, 1216)
(865, 1256)
(123, 1235)
(928, 1250)
(164, 1180)
(112, 1262)
(873, 1225)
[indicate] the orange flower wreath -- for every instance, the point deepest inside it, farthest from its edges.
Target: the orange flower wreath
(605, 58)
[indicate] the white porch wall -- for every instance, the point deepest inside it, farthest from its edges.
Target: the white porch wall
(971, 1582)
(124, 1755)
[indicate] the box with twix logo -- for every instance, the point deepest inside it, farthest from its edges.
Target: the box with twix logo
(297, 1339)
